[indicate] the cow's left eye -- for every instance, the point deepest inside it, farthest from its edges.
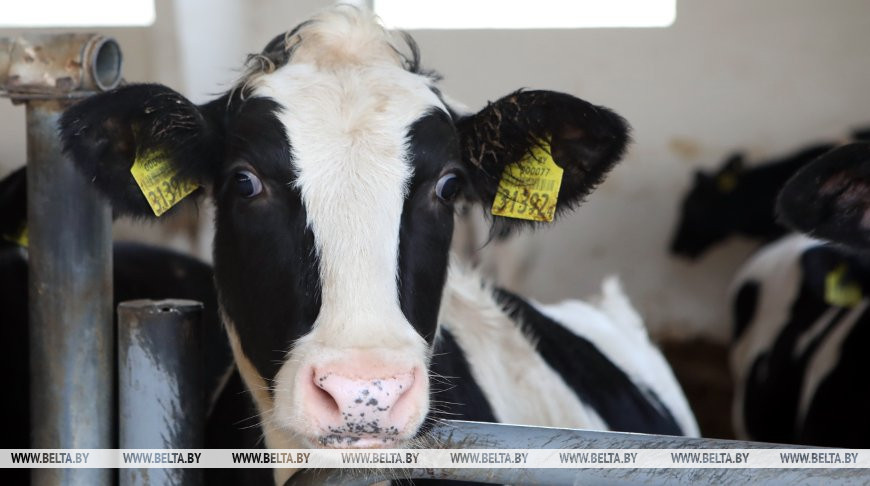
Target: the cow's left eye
(447, 187)
(248, 184)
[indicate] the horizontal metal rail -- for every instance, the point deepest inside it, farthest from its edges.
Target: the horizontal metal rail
(478, 435)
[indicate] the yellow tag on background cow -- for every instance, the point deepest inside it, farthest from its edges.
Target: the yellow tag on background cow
(528, 189)
(840, 292)
(156, 178)
(726, 182)
(21, 239)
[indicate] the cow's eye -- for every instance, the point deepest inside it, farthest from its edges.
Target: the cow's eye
(447, 187)
(248, 184)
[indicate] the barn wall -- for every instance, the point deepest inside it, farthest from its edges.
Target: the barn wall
(765, 76)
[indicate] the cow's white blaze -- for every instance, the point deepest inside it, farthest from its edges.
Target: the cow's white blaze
(347, 106)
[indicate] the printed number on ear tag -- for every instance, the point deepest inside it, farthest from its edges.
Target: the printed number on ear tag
(156, 179)
(839, 291)
(528, 189)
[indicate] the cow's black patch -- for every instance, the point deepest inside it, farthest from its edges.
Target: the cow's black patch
(427, 222)
(232, 424)
(455, 393)
(595, 379)
(837, 415)
(745, 305)
(265, 261)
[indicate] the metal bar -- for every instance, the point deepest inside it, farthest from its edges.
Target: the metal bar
(69, 226)
(71, 392)
(477, 435)
(159, 379)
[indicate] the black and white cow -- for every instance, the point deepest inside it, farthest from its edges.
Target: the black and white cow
(801, 322)
(801, 312)
(736, 200)
(334, 166)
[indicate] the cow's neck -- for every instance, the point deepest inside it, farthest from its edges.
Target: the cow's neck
(503, 359)
(257, 387)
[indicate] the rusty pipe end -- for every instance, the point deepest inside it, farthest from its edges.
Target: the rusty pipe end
(46, 66)
(102, 61)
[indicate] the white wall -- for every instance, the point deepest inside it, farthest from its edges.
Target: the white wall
(765, 76)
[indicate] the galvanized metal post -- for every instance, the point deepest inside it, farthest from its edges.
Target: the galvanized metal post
(70, 262)
(69, 225)
(159, 380)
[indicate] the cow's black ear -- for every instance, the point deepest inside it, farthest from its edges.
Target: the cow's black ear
(106, 133)
(584, 140)
(829, 198)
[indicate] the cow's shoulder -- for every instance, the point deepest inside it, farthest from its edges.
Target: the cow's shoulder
(592, 360)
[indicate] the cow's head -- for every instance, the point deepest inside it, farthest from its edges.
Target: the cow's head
(708, 211)
(334, 166)
(830, 197)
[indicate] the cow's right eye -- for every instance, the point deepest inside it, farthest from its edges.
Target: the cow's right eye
(248, 184)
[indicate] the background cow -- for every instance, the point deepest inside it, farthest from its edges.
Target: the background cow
(334, 166)
(740, 200)
(813, 325)
(139, 272)
(736, 200)
(798, 358)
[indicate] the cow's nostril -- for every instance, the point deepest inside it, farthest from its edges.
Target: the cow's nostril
(325, 399)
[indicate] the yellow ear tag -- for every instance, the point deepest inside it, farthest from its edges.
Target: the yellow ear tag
(156, 179)
(726, 182)
(21, 239)
(841, 293)
(528, 189)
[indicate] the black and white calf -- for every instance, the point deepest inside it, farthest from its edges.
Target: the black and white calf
(801, 312)
(798, 358)
(334, 166)
(736, 200)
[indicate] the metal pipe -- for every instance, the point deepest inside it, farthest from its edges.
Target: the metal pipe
(70, 291)
(476, 435)
(159, 384)
(69, 225)
(58, 65)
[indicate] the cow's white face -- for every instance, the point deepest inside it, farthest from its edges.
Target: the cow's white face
(356, 373)
(334, 171)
